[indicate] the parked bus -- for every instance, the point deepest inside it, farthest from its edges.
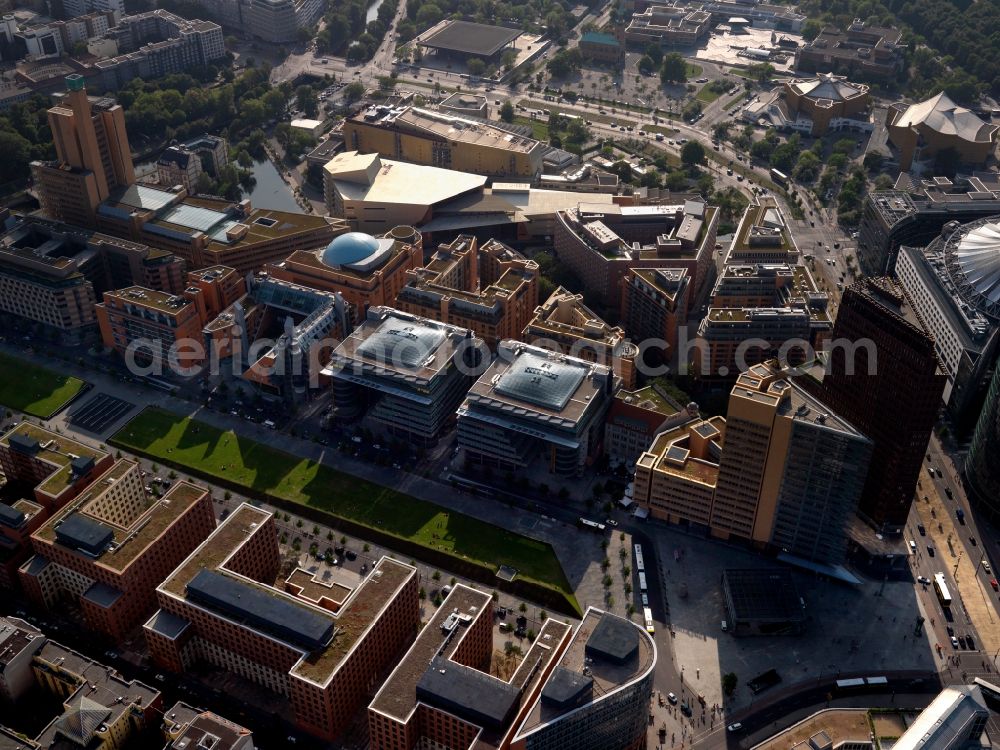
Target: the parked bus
(642, 582)
(876, 680)
(941, 589)
(592, 525)
(857, 682)
(640, 564)
(648, 616)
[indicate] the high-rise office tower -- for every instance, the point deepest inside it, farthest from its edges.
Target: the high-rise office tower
(982, 466)
(92, 156)
(884, 376)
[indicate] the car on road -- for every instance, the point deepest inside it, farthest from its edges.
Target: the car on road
(950, 629)
(995, 585)
(954, 642)
(972, 643)
(960, 515)
(972, 541)
(923, 579)
(610, 522)
(930, 550)
(986, 566)
(734, 727)
(949, 493)
(672, 698)
(921, 529)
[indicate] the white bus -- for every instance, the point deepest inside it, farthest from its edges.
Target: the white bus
(592, 525)
(849, 684)
(941, 588)
(640, 564)
(647, 615)
(642, 582)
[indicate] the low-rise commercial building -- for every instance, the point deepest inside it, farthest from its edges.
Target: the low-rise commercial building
(781, 471)
(759, 312)
(669, 26)
(466, 105)
(367, 271)
(601, 47)
(375, 194)
(600, 243)
(408, 373)
(442, 140)
(871, 53)
(488, 288)
(209, 231)
(923, 130)
(187, 728)
(321, 647)
(532, 402)
(563, 323)
(635, 418)
(110, 548)
(952, 285)
(100, 708)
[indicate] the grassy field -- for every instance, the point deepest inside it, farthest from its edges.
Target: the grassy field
(539, 128)
(707, 95)
(212, 453)
(34, 390)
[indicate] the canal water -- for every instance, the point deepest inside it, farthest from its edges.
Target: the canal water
(372, 12)
(271, 191)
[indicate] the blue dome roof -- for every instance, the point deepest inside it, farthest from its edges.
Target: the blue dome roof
(349, 248)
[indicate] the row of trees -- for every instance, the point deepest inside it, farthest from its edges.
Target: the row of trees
(24, 137)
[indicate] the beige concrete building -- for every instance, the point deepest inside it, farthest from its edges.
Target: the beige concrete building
(654, 304)
(375, 194)
(487, 288)
(601, 242)
(763, 236)
(779, 471)
(563, 323)
(827, 102)
(921, 131)
(668, 26)
(442, 140)
(92, 156)
(777, 305)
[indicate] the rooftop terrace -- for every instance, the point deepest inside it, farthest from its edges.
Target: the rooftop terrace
(127, 542)
(57, 450)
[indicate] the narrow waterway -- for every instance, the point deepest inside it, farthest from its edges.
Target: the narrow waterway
(372, 12)
(271, 191)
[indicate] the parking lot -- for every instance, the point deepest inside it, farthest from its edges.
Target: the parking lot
(99, 413)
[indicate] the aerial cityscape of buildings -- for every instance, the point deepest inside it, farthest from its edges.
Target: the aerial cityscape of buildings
(615, 377)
